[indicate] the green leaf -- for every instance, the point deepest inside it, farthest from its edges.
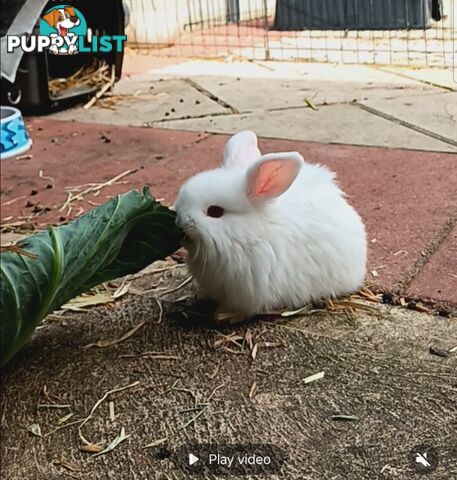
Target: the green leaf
(120, 237)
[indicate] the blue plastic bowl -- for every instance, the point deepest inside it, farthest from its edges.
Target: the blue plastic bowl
(14, 138)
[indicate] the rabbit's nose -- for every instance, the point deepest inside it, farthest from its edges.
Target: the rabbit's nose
(183, 222)
(186, 224)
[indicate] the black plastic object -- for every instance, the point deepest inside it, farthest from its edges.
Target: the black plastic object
(30, 92)
(352, 14)
(437, 10)
(233, 11)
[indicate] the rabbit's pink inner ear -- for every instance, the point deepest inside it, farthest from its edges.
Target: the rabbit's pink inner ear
(241, 150)
(271, 178)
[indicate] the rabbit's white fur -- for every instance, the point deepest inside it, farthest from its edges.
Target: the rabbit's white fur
(304, 245)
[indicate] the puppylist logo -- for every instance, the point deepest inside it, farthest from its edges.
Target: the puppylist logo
(64, 31)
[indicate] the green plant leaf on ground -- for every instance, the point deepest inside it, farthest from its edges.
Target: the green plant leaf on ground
(120, 237)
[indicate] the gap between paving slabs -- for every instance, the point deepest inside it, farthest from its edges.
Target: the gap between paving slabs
(429, 250)
(404, 123)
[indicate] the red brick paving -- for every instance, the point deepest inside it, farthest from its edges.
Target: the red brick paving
(74, 154)
(405, 197)
(438, 278)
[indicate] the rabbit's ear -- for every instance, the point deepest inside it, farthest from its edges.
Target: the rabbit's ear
(272, 175)
(241, 150)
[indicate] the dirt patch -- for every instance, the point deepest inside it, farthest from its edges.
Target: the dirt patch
(198, 385)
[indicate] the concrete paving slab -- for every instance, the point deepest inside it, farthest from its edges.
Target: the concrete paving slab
(249, 87)
(192, 68)
(377, 368)
(344, 124)
(438, 278)
(436, 113)
(285, 70)
(360, 73)
(440, 77)
(250, 94)
(147, 102)
(139, 62)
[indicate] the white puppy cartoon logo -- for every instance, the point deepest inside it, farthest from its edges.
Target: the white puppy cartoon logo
(61, 21)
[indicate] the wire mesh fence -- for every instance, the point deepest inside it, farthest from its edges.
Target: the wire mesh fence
(392, 32)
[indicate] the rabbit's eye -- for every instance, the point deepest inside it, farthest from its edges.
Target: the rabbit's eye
(215, 211)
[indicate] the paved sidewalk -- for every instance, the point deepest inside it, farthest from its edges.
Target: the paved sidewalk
(390, 136)
(356, 105)
(392, 369)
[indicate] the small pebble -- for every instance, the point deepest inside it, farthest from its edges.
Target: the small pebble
(388, 298)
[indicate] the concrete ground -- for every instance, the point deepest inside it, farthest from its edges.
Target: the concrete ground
(377, 368)
(354, 105)
(391, 137)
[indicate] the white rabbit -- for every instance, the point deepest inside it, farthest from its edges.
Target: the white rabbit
(268, 232)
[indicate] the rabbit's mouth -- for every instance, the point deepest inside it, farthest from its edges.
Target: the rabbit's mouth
(193, 243)
(187, 242)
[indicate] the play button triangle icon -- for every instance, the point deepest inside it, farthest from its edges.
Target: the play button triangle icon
(193, 459)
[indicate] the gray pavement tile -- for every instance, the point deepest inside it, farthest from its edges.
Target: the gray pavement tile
(435, 113)
(346, 124)
(147, 102)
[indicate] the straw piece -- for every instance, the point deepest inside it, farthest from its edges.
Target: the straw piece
(313, 378)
